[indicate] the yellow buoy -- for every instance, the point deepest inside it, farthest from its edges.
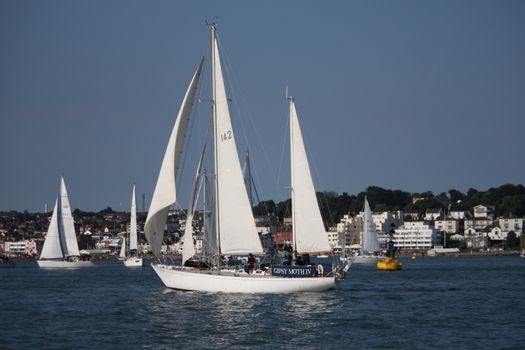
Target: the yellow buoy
(389, 264)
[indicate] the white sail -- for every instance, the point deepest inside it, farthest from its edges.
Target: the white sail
(133, 223)
(52, 248)
(165, 191)
(188, 248)
(66, 224)
(123, 248)
(309, 232)
(236, 225)
(370, 242)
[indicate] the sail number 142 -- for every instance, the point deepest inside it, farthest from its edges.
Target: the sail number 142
(226, 135)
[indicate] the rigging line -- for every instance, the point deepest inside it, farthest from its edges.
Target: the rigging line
(248, 113)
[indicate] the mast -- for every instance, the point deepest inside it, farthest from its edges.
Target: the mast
(215, 139)
(294, 233)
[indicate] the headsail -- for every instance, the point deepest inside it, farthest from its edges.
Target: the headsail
(370, 242)
(52, 248)
(133, 223)
(66, 224)
(188, 248)
(122, 253)
(236, 225)
(309, 232)
(165, 190)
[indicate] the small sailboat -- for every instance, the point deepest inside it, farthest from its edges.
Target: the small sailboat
(370, 251)
(233, 230)
(131, 257)
(60, 248)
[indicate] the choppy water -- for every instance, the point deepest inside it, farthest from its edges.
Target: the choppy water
(453, 302)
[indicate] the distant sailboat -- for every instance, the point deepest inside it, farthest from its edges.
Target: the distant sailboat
(131, 258)
(60, 248)
(232, 219)
(370, 251)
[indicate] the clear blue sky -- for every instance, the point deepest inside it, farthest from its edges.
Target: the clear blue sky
(412, 95)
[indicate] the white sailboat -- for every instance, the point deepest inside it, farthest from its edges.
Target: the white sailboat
(60, 248)
(131, 258)
(370, 251)
(233, 221)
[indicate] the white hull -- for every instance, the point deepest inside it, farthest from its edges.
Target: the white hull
(203, 281)
(133, 262)
(60, 264)
(366, 259)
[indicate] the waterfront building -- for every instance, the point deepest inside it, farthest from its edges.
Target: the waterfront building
(411, 215)
(26, 248)
(415, 235)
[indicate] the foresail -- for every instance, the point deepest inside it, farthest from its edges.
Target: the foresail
(188, 248)
(66, 223)
(310, 234)
(51, 248)
(133, 223)
(123, 248)
(165, 190)
(370, 241)
(237, 232)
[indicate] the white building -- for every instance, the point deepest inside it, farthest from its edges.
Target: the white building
(478, 223)
(20, 248)
(457, 214)
(386, 220)
(484, 211)
(495, 233)
(449, 225)
(511, 224)
(415, 235)
(432, 214)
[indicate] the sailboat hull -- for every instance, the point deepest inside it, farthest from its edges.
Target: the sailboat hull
(212, 282)
(133, 262)
(60, 264)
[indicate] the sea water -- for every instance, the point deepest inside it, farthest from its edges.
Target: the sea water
(434, 302)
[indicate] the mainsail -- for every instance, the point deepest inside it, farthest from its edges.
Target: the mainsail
(370, 241)
(66, 225)
(122, 253)
(133, 223)
(165, 191)
(309, 232)
(236, 225)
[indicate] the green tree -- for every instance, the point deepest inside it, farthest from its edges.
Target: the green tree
(512, 241)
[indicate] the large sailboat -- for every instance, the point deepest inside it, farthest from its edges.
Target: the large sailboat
(60, 248)
(129, 254)
(233, 231)
(370, 251)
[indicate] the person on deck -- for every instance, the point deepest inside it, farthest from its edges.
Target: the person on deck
(251, 263)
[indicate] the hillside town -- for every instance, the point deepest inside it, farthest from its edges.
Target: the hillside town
(434, 231)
